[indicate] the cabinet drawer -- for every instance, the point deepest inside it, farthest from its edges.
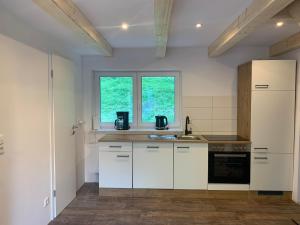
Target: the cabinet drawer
(115, 146)
(271, 172)
(115, 169)
(273, 75)
(190, 166)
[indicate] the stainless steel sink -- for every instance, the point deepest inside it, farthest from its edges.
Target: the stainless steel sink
(162, 137)
(175, 137)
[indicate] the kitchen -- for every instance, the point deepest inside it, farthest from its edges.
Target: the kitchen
(238, 101)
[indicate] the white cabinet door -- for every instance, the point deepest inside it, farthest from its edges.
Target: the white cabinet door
(190, 166)
(273, 75)
(115, 169)
(271, 172)
(272, 121)
(153, 165)
(115, 164)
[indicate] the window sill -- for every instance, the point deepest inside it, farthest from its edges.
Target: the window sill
(138, 131)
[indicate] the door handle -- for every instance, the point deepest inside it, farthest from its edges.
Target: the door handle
(74, 129)
(183, 147)
(230, 155)
(261, 148)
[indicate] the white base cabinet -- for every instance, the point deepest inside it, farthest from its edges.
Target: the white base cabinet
(190, 166)
(153, 165)
(271, 172)
(115, 165)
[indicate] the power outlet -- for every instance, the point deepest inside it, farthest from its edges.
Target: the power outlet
(46, 202)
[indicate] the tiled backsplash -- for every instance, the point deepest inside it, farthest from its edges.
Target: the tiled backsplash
(211, 114)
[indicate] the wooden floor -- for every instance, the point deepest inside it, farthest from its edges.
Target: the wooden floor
(169, 207)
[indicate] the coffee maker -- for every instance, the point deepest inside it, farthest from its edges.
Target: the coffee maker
(122, 121)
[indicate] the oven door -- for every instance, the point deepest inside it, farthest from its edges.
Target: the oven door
(229, 167)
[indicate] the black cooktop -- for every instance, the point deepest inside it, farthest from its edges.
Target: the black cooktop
(224, 138)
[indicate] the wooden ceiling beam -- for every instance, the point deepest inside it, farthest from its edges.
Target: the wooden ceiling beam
(255, 15)
(286, 45)
(70, 15)
(162, 16)
(293, 42)
(294, 11)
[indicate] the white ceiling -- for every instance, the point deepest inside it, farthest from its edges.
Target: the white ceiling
(107, 16)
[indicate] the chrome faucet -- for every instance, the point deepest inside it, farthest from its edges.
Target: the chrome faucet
(187, 121)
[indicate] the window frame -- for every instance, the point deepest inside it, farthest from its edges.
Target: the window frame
(137, 97)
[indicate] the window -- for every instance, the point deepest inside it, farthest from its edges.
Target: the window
(158, 98)
(143, 94)
(116, 95)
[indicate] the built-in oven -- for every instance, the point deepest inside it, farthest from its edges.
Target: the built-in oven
(229, 164)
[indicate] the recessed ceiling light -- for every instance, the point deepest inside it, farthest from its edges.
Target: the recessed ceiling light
(279, 24)
(199, 25)
(124, 26)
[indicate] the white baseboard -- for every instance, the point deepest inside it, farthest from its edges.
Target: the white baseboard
(229, 187)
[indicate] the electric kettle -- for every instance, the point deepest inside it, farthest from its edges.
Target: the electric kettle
(161, 122)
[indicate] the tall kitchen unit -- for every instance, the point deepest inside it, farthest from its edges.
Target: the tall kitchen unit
(266, 111)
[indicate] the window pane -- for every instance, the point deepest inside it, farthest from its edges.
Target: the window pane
(158, 98)
(116, 94)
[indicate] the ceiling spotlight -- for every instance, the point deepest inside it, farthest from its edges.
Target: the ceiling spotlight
(124, 26)
(279, 24)
(199, 25)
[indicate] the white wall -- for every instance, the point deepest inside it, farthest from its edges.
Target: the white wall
(296, 185)
(24, 122)
(202, 77)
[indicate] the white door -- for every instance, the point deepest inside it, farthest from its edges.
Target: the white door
(271, 172)
(64, 181)
(190, 166)
(273, 74)
(272, 121)
(153, 165)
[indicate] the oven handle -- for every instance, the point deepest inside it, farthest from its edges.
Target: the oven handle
(216, 155)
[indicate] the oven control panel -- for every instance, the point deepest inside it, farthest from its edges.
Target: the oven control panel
(229, 147)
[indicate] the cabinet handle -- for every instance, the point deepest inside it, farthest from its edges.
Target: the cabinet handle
(122, 156)
(261, 148)
(264, 158)
(217, 155)
(183, 147)
(152, 147)
(262, 86)
(115, 146)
